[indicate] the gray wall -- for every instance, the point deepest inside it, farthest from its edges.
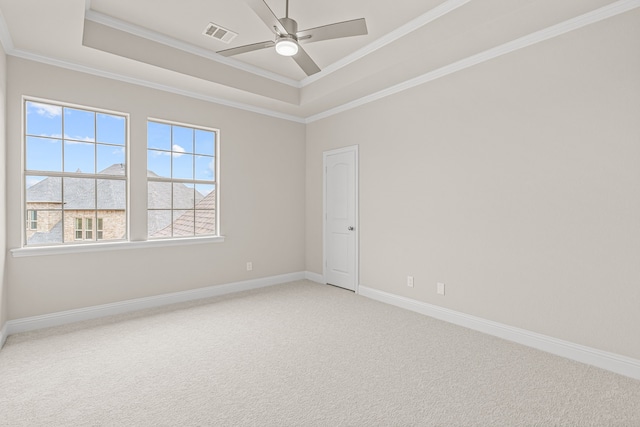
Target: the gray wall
(3, 201)
(262, 200)
(515, 182)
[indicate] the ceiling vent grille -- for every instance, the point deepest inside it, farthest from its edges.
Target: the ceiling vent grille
(217, 32)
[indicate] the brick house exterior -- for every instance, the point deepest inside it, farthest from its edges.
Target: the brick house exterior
(95, 209)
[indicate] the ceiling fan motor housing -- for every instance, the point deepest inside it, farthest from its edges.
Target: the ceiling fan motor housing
(290, 25)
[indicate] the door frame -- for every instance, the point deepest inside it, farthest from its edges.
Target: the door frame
(356, 270)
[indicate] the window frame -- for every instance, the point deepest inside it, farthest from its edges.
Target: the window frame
(62, 174)
(215, 183)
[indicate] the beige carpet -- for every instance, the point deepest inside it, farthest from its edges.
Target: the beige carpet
(295, 355)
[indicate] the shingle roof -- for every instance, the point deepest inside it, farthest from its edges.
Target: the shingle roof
(80, 193)
(53, 236)
(205, 220)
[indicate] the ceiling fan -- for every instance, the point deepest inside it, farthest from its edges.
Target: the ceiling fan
(288, 38)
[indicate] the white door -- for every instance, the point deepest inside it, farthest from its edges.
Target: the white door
(340, 217)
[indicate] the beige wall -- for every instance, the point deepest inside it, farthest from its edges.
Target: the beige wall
(3, 203)
(516, 182)
(262, 200)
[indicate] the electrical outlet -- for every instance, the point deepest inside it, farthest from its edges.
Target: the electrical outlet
(410, 281)
(249, 266)
(440, 288)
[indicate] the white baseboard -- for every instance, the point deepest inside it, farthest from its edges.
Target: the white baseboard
(94, 312)
(610, 361)
(3, 334)
(314, 277)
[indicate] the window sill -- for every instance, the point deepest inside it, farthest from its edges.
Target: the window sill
(110, 246)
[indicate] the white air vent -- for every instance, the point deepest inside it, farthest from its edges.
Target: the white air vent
(217, 32)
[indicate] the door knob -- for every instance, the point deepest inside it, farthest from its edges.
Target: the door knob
(350, 228)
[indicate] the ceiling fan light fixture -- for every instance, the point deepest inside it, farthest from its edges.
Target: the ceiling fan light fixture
(286, 47)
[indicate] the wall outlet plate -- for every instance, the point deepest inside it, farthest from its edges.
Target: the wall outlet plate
(410, 281)
(440, 288)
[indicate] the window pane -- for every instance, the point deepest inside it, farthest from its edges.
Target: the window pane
(110, 159)
(65, 208)
(183, 223)
(44, 120)
(79, 193)
(43, 192)
(44, 154)
(205, 142)
(112, 195)
(79, 125)
(159, 195)
(158, 136)
(32, 220)
(183, 196)
(110, 129)
(183, 166)
(182, 139)
(205, 168)
(159, 223)
(88, 228)
(79, 157)
(158, 163)
(77, 229)
(205, 222)
(49, 228)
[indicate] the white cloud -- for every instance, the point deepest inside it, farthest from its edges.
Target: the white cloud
(46, 110)
(77, 139)
(177, 150)
(69, 139)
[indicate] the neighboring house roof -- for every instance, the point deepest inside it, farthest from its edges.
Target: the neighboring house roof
(53, 236)
(79, 194)
(205, 220)
(159, 197)
(48, 190)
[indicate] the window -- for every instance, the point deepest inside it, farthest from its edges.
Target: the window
(32, 220)
(99, 229)
(88, 229)
(181, 180)
(78, 229)
(75, 171)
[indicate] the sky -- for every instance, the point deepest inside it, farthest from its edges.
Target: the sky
(62, 139)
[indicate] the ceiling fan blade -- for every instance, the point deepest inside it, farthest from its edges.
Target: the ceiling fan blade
(246, 48)
(305, 62)
(264, 12)
(356, 27)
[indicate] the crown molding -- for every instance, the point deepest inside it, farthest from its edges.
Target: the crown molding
(611, 10)
(127, 27)
(398, 33)
(140, 82)
(581, 21)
